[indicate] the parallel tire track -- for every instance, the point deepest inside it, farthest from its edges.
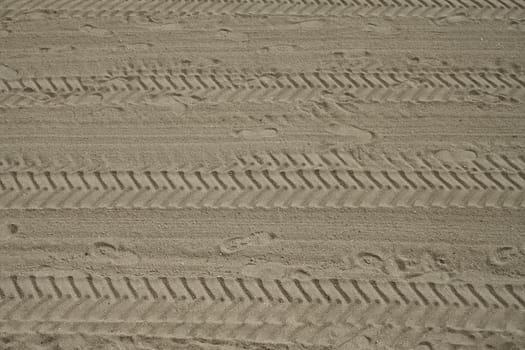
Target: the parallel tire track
(334, 159)
(305, 312)
(159, 86)
(435, 9)
(301, 188)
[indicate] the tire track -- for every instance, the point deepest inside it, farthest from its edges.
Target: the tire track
(162, 88)
(335, 159)
(435, 9)
(298, 188)
(280, 311)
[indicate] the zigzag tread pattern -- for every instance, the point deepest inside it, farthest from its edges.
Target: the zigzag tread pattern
(434, 9)
(300, 188)
(158, 86)
(334, 159)
(280, 310)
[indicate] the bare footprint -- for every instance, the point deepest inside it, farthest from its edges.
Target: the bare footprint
(228, 34)
(452, 19)
(92, 30)
(233, 245)
(117, 255)
(253, 134)
(309, 24)
(279, 48)
(379, 27)
(367, 260)
(236, 244)
(425, 266)
(355, 135)
(299, 274)
(502, 256)
(328, 109)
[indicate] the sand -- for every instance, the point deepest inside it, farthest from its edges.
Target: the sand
(262, 175)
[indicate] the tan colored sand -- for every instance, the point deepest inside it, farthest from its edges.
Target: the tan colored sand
(248, 174)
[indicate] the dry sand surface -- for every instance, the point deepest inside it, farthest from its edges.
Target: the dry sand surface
(262, 174)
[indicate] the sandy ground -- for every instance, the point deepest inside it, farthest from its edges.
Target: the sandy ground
(262, 175)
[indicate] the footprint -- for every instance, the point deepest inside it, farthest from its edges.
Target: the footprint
(118, 255)
(8, 229)
(456, 155)
(453, 19)
(279, 49)
(233, 245)
(12, 228)
(265, 270)
(517, 25)
(481, 97)
(299, 274)
(405, 265)
(425, 345)
(105, 249)
(92, 30)
(355, 135)
(260, 133)
(329, 109)
(236, 244)
(502, 256)
(273, 270)
(379, 27)
(7, 73)
(361, 342)
(309, 24)
(458, 338)
(421, 267)
(458, 18)
(230, 35)
(369, 260)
